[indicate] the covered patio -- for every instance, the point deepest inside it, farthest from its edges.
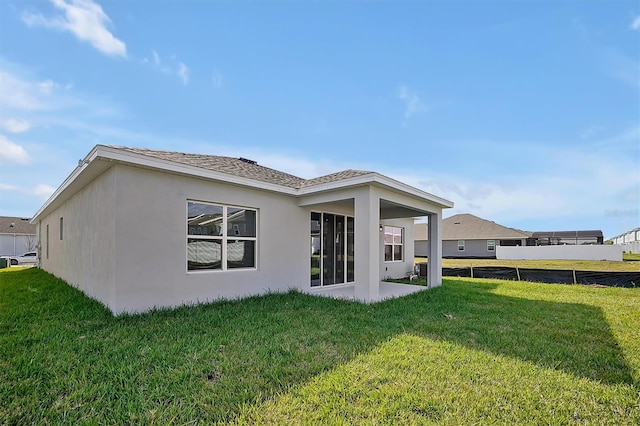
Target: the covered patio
(377, 202)
(387, 291)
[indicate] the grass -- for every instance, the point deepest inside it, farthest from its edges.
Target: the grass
(583, 265)
(469, 352)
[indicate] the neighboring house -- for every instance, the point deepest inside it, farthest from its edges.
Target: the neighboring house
(138, 229)
(564, 238)
(466, 235)
(17, 236)
(630, 241)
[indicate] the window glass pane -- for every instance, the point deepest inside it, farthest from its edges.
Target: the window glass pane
(351, 270)
(388, 253)
(241, 254)
(397, 252)
(388, 235)
(241, 222)
(204, 254)
(204, 219)
(397, 239)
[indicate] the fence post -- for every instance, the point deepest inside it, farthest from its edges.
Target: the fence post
(518, 273)
(575, 281)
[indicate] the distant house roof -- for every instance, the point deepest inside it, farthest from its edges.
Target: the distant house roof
(242, 167)
(16, 225)
(469, 227)
(568, 234)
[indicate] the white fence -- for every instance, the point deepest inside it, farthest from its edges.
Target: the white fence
(586, 252)
(631, 247)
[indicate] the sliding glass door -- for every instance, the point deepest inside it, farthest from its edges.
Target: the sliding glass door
(332, 249)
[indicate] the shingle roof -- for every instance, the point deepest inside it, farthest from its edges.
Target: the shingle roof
(242, 168)
(16, 225)
(469, 227)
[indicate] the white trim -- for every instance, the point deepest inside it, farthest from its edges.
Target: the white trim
(224, 238)
(116, 155)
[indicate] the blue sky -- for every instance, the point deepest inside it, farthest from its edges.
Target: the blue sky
(522, 112)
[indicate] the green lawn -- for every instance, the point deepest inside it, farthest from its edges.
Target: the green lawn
(629, 265)
(470, 352)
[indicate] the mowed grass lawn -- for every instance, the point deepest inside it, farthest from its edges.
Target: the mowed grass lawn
(469, 352)
(632, 264)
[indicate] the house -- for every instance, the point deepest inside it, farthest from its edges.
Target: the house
(563, 238)
(469, 236)
(17, 236)
(138, 229)
(630, 241)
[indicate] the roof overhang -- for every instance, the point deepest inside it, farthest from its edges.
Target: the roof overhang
(102, 157)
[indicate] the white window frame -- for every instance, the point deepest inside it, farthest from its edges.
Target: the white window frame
(394, 244)
(491, 245)
(460, 246)
(224, 238)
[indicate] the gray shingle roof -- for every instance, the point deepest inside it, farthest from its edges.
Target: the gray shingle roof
(242, 168)
(470, 227)
(20, 225)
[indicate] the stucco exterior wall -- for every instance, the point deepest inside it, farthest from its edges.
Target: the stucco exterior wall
(151, 242)
(398, 269)
(85, 257)
(472, 248)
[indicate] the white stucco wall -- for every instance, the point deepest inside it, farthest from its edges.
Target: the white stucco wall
(582, 252)
(85, 257)
(398, 269)
(151, 242)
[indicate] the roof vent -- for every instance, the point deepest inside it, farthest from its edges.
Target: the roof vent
(246, 160)
(12, 225)
(456, 223)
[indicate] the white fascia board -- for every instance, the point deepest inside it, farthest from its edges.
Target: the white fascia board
(131, 158)
(376, 178)
(109, 154)
(68, 181)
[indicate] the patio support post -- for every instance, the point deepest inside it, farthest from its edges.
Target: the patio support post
(367, 245)
(434, 266)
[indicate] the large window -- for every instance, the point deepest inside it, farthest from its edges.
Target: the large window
(491, 245)
(332, 249)
(393, 240)
(220, 237)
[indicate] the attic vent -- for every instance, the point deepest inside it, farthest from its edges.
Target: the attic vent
(456, 223)
(12, 225)
(246, 160)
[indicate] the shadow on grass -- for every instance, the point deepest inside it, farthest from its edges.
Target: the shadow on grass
(68, 359)
(575, 338)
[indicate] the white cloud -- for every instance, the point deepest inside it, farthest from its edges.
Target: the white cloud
(14, 125)
(17, 94)
(12, 152)
(413, 104)
(635, 25)
(178, 69)
(46, 86)
(183, 73)
(42, 191)
(86, 20)
(217, 80)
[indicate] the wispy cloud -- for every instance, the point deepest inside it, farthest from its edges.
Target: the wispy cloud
(12, 152)
(635, 24)
(183, 73)
(168, 66)
(86, 20)
(412, 102)
(40, 190)
(216, 79)
(15, 125)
